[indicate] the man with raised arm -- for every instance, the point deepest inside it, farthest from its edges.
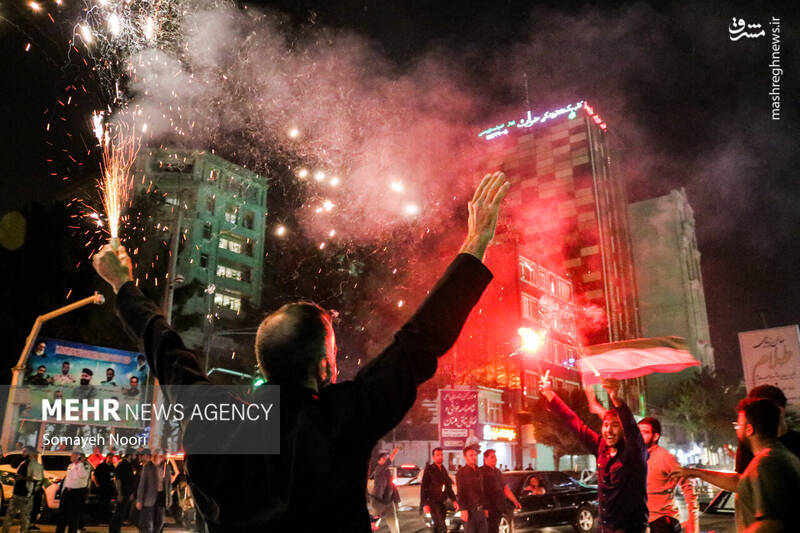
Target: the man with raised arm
(621, 460)
(327, 430)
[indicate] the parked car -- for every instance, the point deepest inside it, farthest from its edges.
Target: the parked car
(565, 502)
(720, 515)
(404, 474)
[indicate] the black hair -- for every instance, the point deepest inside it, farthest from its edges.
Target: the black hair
(87, 371)
(654, 424)
(762, 414)
(487, 452)
(433, 451)
(769, 392)
(41, 366)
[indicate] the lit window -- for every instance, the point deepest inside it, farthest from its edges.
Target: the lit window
(229, 244)
(530, 307)
(228, 273)
(231, 214)
(212, 176)
(228, 301)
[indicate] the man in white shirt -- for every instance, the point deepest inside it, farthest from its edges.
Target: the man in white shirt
(73, 493)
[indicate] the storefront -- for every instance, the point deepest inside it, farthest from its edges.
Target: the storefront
(502, 439)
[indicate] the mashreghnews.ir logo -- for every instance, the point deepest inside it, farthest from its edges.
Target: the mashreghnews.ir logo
(739, 29)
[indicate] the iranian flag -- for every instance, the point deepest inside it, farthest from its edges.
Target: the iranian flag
(634, 358)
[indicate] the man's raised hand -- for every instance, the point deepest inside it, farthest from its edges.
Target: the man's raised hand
(483, 210)
(114, 266)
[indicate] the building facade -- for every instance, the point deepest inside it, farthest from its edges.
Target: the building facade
(669, 282)
(491, 356)
(222, 208)
(569, 204)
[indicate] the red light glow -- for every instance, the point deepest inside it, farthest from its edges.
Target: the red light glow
(532, 341)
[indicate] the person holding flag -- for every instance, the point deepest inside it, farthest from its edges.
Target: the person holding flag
(621, 460)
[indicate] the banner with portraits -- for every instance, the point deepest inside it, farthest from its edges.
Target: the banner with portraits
(65, 370)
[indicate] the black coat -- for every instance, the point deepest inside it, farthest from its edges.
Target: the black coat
(437, 485)
(319, 479)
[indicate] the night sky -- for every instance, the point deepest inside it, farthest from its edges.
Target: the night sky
(686, 107)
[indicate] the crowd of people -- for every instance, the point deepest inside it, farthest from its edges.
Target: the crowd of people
(637, 478)
(135, 487)
(328, 429)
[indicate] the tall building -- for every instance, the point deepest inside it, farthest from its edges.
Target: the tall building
(670, 282)
(223, 210)
(570, 205)
(525, 293)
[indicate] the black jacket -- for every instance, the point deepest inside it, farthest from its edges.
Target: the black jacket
(437, 485)
(470, 489)
(326, 437)
(494, 489)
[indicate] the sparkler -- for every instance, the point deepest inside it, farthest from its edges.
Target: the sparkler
(119, 153)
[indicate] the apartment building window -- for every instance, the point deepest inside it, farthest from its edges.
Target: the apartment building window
(203, 260)
(530, 307)
(229, 272)
(248, 220)
(230, 244)
(207, 231)
(212, 176)
(211, 203)
(494, 411)
(541, 279)
(248, 248)
(564, 290)
(231, 214)
(228, 301)
(528, 271)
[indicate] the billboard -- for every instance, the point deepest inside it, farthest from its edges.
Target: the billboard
(772, 357)
(57, 369)
(458, 418)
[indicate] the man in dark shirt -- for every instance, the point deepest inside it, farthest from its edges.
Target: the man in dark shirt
(497, 492)
(38, 379)
(327, 430)
(125, 481)
(621, 460)
(22, 499)
(471, 499)
(385, 496)
(103, 477)
(436, 489)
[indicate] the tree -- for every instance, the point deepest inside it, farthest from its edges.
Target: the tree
(704, 406)
(550, 430)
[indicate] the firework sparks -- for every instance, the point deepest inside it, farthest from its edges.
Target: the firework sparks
(119, 154)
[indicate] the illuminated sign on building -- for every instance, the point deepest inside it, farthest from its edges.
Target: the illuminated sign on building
(530, 120)
(505, 433)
